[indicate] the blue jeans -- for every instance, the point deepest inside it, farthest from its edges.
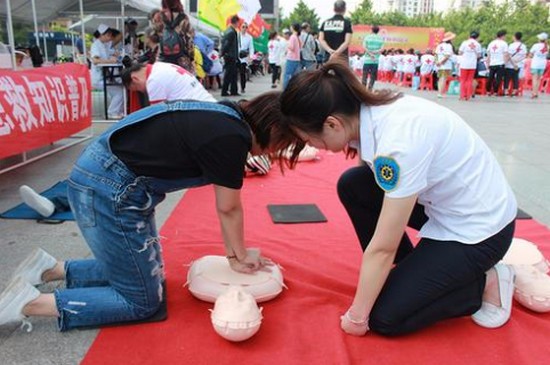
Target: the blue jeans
(115, 211)
(291, 69)
(307, 65)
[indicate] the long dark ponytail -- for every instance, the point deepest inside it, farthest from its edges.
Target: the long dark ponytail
(333, 89)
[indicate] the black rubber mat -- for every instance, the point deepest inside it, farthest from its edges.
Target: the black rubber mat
(296, 213)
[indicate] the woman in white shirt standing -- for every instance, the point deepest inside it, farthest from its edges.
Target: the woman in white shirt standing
(497, 56)
(274, 57)
(516, 56)
(100, 53)
(470, 52)
(538, 53)
(427, 169)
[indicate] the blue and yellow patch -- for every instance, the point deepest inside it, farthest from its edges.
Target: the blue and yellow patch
(386, 171)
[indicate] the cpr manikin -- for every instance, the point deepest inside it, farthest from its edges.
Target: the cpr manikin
(532, 285)
(236, 316)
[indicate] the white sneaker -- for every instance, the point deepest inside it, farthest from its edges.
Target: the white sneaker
(42, 205)
(491, 316)
(12, 300)
(32, 268)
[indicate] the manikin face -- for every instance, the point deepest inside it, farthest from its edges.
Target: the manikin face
(334, 136)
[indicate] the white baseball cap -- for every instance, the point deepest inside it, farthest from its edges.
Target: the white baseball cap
(102, 28)
(542, 36)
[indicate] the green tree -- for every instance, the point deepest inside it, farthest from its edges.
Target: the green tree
(302, 13)
(363, 14)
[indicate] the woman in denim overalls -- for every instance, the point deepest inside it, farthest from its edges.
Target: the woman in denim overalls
(114, 208)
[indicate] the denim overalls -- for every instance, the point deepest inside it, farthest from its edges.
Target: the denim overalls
(115, 211)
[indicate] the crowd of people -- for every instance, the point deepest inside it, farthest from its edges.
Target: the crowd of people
(422, 167)
(503, 68)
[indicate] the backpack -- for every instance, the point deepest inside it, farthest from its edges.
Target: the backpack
(171, 43)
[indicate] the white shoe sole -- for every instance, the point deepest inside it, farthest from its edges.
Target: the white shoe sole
(14, 298)
(34, 265)
(36, 201)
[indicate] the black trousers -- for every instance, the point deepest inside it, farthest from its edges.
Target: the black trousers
(230, 76)
(511, 74)
(371, 71)
(496, 74)
(436, 280)
(275, 71)
(242, 73)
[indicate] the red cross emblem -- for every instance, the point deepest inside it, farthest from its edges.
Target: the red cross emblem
(428, 61)
(544, 49)
(472, 45)
(180, 70)
(495, 47)
(409, 60)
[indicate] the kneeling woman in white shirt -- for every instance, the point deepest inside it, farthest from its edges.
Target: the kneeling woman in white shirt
(426, 169)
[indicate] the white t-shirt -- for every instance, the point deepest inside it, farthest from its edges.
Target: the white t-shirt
(388, 63)
(517, 52)
(416, 146)
(539, 52)
(470, 50)
(247, 44)
(99, 50)
(217, 67)
(409, 63)
(427, 62)
(445, 50)
(398, 62)
(166, 81)
(273, 55)
(282, 50)
(496, 51)
(381, 62)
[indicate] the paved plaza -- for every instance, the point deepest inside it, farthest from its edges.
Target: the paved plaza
(516, 129)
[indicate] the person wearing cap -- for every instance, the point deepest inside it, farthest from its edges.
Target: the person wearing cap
(335, 33)
(497, 56)
(517, 52)
(100, 54)
(373, 45)
(444, 61)
(538, 54)
(309, 48)
(470, 52)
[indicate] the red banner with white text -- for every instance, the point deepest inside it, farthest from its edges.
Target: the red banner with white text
(43, 105)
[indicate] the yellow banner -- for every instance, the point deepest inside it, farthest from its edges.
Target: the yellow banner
(216, 12)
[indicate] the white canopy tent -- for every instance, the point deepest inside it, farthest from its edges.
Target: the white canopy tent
(90, 13)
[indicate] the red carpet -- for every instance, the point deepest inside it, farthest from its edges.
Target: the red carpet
(321, 264)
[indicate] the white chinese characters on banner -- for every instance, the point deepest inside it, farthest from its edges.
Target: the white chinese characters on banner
(36, 103)
(41, 106)
(6, 124)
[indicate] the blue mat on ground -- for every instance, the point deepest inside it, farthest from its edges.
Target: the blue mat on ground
(23, 211)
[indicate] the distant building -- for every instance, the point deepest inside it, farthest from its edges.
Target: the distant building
(415, 7)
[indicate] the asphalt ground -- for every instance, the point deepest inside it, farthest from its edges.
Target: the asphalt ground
(516, 129)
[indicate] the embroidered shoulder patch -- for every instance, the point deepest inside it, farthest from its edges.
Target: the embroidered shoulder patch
(386, 171)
